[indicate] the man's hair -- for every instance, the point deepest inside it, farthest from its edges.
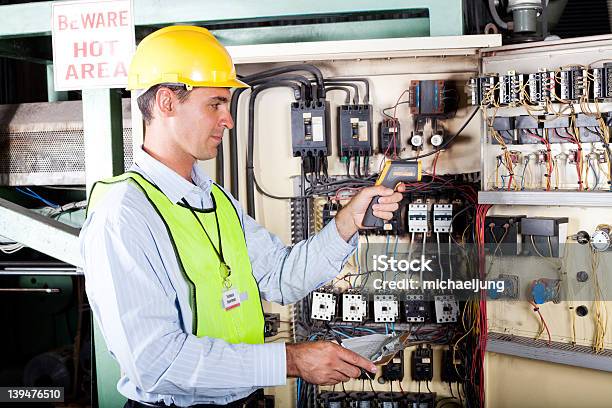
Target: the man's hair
(146, 101)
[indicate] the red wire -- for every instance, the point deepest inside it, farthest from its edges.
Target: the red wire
(537, 309)
(435, 162)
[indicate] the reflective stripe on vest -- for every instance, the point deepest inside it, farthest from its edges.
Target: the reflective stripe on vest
(200, 265)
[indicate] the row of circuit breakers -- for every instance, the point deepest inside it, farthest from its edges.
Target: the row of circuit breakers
(421, 369)
(310, 124)
(569, 84)
(356, 307)
(364, 399)
(421, 217)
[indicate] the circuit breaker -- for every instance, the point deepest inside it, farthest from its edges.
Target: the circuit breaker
(418, 218)
(355, 130)
(422, 363)
(310, 131)
(389, 137)
(442, 218)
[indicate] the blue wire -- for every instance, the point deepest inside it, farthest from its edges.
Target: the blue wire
(30, 193)
(298, 392)
(341, 333)
(386, 328)
(357, 328)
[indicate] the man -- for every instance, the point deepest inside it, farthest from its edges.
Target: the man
(174, 268)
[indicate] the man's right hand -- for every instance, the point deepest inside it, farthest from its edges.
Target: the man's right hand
(324, 363)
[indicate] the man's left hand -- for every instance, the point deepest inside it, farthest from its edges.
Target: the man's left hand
(349, 219)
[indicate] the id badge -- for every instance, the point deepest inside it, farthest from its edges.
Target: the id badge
(230, 299)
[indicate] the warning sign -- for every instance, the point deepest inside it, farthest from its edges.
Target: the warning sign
(93, 42)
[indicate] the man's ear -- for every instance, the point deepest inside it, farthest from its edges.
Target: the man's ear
(165, 102)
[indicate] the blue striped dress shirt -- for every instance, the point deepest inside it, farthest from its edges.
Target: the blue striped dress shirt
(141, 301)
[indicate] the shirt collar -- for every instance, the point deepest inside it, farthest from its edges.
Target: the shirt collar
(170, 182)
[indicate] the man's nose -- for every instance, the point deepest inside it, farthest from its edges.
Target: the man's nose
(227, 121)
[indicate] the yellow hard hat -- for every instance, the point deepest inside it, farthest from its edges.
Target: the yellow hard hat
(182, 54)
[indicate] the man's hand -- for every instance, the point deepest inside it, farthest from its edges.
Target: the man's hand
(349, 219)
(324, 363)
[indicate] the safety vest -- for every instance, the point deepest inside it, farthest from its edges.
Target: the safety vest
(200, 265)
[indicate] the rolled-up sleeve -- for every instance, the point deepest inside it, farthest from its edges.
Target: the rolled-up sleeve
(285, 274)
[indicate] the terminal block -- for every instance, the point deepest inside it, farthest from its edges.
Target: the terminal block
(386, 308)
(510, 89)
(541, 87)
(482, 90)
(323, 306)
(602, 82)
(443, 218)
(329, 211)
(573, 83)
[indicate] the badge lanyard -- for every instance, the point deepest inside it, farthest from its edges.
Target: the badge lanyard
(225, 270)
